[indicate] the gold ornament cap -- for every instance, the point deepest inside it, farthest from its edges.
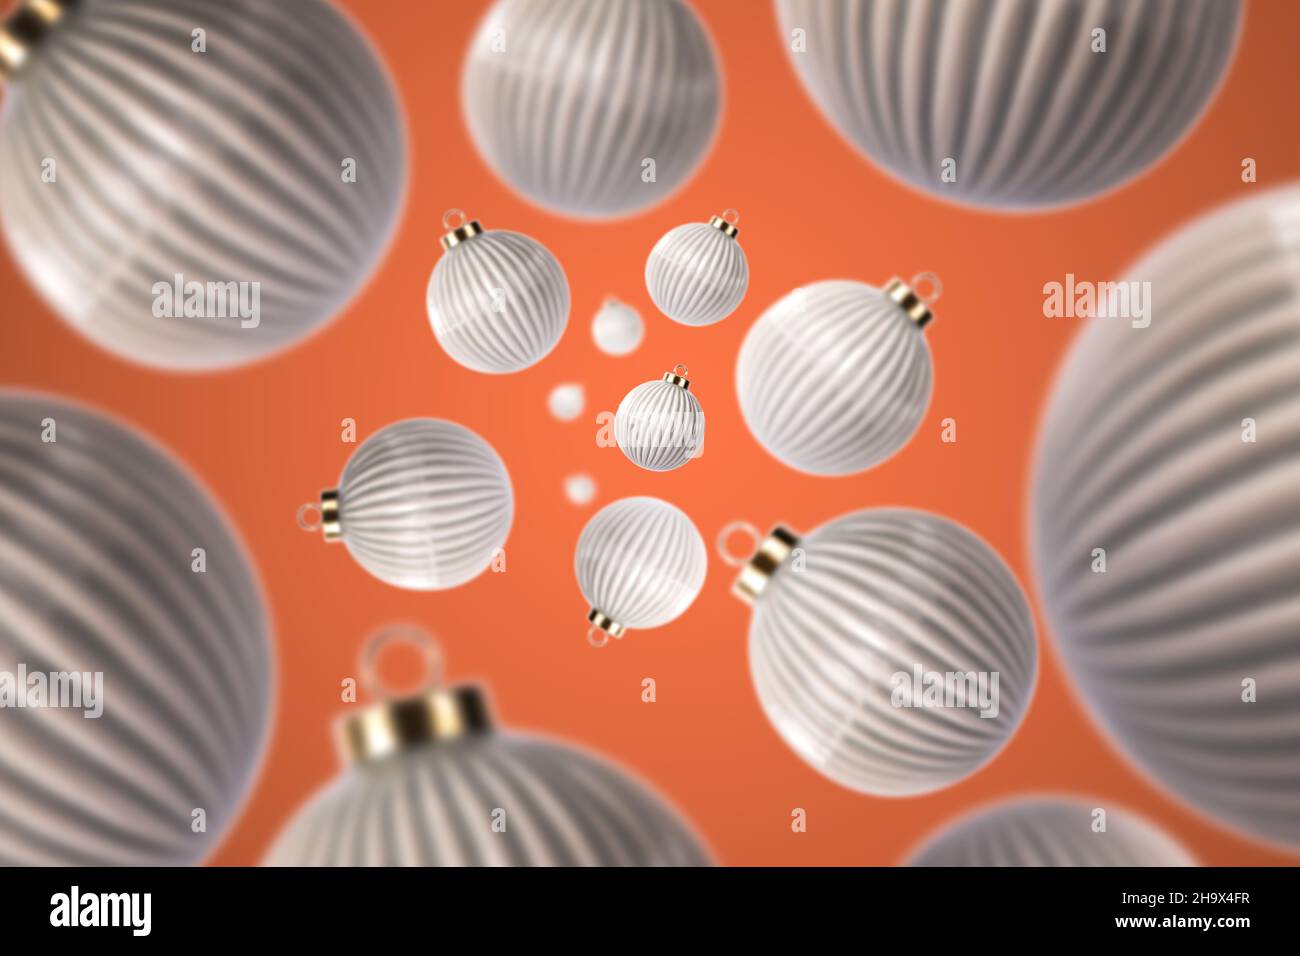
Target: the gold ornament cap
(913, 302)
(678, 377)
(322, 517)
(26, 27)
(726, 223)
(768, 555)
(397, 723)
(458, 227)
(603, 627)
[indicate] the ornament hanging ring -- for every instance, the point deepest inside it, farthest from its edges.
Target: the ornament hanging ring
(730, 217)
(737, 527)
(394, 633)
(596, 637)
(453, 219)
(310, 517)
(923, 280)
(680, 370)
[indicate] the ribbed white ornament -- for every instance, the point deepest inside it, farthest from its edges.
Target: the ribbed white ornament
(659, 425)
(432, 784)
(498, 301)
(423, 504)
(844, 618)
(1010, 104)
(835, 378)
(1175, 448)
(99, 572)
(128, 160)
(640, 563)
(590, 108)
(697, 273)
(1041, 831)
(617, 328)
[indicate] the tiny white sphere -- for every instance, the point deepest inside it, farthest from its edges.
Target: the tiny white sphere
(834, 379)
(567, 401)
(659, 425)
(640, 562)
(580, 489)
(617, 328)
(697, 274)
(498, 301)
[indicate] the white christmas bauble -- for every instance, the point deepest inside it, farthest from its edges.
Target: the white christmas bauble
(617, 328)
(567, 401)
(590, 108)
(659, 425)
(697, 273)
(125, 591)
(580, 489)
(858, 623)
(835, 378)
(1043, 831)
(498, 301)
(1169, 456)
(194, 209)
(640, 563)
(423, 504)
(1011, 103)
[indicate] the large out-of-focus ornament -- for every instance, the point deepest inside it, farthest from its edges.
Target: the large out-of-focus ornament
(1011, 104)
(835, 378)
(640, 563)
(617, 328)
(1042, 831)
(590, 108)
(697, 273)
(196, 185)
(136, 668)
(423, 504)
(498, 301)
(430, 782)
(1166, 514)
(659, 425)
(892, 650)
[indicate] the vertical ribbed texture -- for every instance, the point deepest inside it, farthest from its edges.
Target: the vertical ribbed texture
(425, 504)
(222, 167)
(1141, 453)
(697, 274)
(437, 805)
(872, 594)
(641, 561)
(585, 91)
(1011, 89)
(659, 426)
(97, 531)
(834, 378)
(1051, 832)
(498, 302)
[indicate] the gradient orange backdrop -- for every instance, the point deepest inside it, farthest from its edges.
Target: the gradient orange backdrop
(267, 438)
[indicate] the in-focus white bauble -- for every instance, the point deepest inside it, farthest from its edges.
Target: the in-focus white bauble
(591, 108)
(857, 623)
(431, 783)
(423, 504)
(697, 273)
(1171, 443)
(197, 210)
(617, 328)
(498, 301)
(118, 571)
(1051, 831)
(640, 563)
(567, 401)
(580, 489)
(659, 425)
(835, 378)
(1010, 104)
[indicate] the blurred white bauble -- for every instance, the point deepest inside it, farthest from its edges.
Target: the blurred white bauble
(498, 301)
(617, 328)
(697, 274)
(857, 623)
(580, 489)
(835, 378)
(114, 560)
(640, 563)
(567, 401)
(1170, 450)
(590, 108)
(423, 504)
(1011, 104)
(659, 425)
(196, 210)
(1051, 831)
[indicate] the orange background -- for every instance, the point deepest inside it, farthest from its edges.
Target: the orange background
(267, 438)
